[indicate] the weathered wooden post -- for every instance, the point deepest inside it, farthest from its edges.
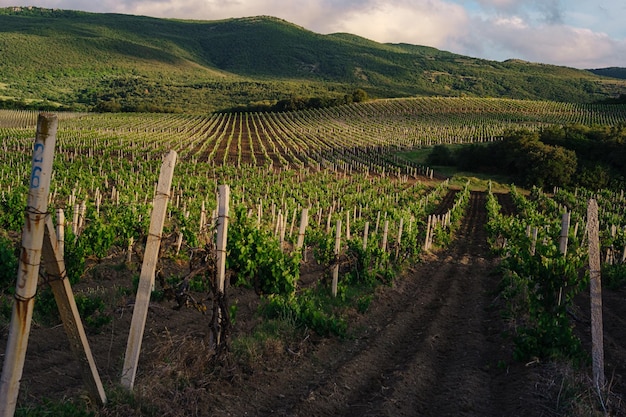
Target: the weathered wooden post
(428, 233)
(146, 278)
(595, 289)
(68, 311)
(222, 235)
(304, 221)
(366, 230)
(29, 261)
(336, 264)
(383, 244)
(61, 229)
(399, 241)
(565, 220)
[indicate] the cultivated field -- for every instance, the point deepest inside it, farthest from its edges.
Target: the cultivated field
(416, 323)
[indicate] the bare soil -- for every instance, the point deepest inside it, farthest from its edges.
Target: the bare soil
(431, 344)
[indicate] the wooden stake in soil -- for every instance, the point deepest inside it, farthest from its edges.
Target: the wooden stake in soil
(336, 264)
(55, 268)
(148, 268)
(366, 230)
(61, 230)
(564, 233)
(29, 261)
(597, 348)
(222, 234)
(304, 221)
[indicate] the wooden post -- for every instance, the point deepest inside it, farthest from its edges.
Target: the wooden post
(377, 223)
(148, 268)
(564, 233)
(129, 250)
(383, 245)
(399, 241)
(29, 261)
(61, 230)
(597, 343)
(304, 221)
(75, 215)
(222, 234)
(427, 239)
(55, 268)
(336, 265)
(366, 230)
(202, 216)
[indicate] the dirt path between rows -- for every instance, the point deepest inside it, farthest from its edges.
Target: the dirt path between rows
(429, 346)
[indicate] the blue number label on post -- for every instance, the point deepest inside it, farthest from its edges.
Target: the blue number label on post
(34, 177)
(38, 152)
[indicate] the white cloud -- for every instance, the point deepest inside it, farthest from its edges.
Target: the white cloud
(432, 23)
(556, 44)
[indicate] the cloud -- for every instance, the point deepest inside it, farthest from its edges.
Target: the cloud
(432, 23)
(547, 43)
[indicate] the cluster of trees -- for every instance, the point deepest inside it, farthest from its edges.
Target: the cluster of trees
(301, 103)
(563, 156)
(13, 104)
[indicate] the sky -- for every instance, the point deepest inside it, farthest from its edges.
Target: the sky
(575, 33)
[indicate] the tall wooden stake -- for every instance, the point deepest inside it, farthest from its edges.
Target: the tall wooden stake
(60, 285)
(222, 234)
(597, 343)
(565, 220)
(29, 261)
(304, 221)
(148, 268)
(336, 265)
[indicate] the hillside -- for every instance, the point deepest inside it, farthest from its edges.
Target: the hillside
(81, 60)
(614, 72)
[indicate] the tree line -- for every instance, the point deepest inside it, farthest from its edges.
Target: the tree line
(294, 103)
(561, 156)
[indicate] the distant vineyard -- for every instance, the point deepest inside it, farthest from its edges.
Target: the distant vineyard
(358, 137)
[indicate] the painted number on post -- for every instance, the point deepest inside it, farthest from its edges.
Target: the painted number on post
(37, 159)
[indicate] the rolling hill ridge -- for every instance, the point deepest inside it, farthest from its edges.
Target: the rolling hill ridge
(81, 60)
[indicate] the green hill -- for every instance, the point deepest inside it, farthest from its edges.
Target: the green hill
(121, 62)
(614, 72)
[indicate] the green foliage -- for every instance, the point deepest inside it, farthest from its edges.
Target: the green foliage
(307, 309)
(440, 155)
(537, 287)
(46, 310)
(9, 252)
(323, 245)
(571, 155)
(47, 408)
(12, 210)
(91, 309)
(366, 264)
(98, 237)
(614, 276)
(74, 257)
(258, 260)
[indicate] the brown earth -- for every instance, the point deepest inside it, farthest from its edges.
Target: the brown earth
(430, 345)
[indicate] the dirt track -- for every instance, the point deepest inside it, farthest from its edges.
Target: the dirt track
(429, 346)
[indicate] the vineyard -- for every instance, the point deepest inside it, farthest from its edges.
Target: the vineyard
(328, 219)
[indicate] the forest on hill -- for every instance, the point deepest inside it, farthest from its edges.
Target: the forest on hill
(62, 59)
